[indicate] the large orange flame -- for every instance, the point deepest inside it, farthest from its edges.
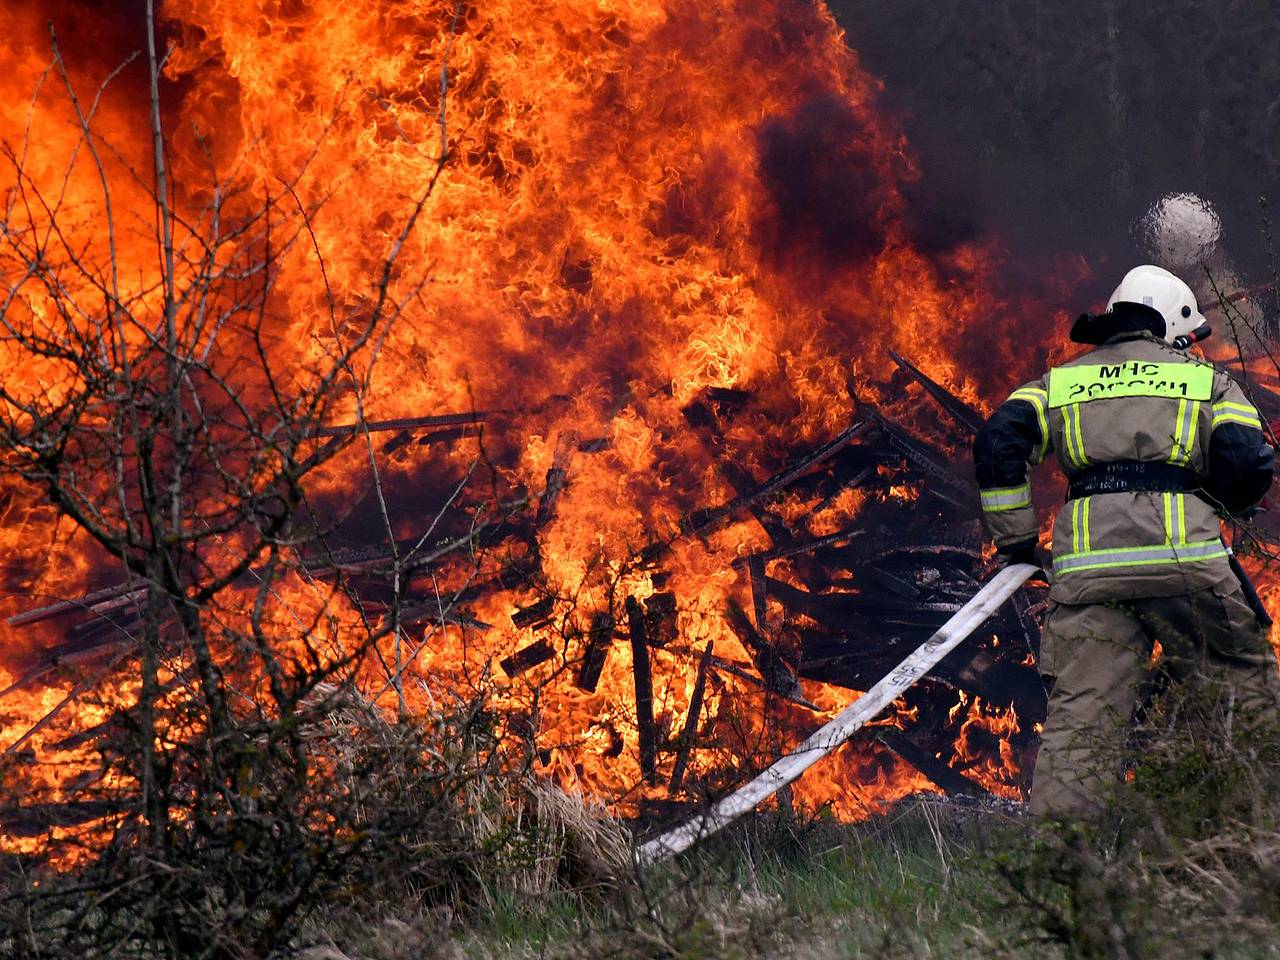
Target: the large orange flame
(638, 200)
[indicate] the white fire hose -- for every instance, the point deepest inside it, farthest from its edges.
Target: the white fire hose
(846, 723)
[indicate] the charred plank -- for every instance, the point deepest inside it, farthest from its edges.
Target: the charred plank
(737, 670)
(643, 676)
(526, 658)
(534, 614)
(704, 521)
(660, 618)
(963, 413)
(37, 818)
(952, 781)
(690, 732)
(404, 423)
(599, 637)
(943, 480)
(800, 548)
(776, 673)
(84, 604)
(700, 416)
(759, 591)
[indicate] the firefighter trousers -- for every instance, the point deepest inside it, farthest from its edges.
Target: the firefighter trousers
(1098, 656)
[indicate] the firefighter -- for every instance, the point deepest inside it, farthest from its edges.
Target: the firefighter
(1156, 446)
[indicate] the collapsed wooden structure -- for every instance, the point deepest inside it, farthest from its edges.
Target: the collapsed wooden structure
(868, 595)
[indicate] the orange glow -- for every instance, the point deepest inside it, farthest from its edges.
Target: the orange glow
(631, 212)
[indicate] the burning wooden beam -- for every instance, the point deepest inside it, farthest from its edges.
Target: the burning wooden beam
(776, 673)
(557, 479)
(759, 591)
(701, 417)
(721, 665)
(660, 618)
(84, 604)
(690, 732)
(952, 781)
(405, 423)
(535, 613)
(526, 658)
(963, 413)
(844, 536)
(836, 609)
(705, 521)
(35, 819)
(599, 638)
(945, 482)
(642, 671)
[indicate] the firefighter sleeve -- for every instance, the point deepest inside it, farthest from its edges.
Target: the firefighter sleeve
(1240, 461)
(1016, 436)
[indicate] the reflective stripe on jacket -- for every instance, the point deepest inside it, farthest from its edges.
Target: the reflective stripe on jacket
(1134, 398)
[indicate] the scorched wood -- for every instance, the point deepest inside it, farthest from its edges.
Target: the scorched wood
(527, 658)
(759, 594)
(942, 480)
(404, 423)
(964, 414)
(952, 781)
(690, 732)
(720, 665)
(777, 675)
(700, 416)
(641, 670)
(536, 613)
(598, 640)
(78, 605)
(705, 521)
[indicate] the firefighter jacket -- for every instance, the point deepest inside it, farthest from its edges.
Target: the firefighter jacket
(1155, 445)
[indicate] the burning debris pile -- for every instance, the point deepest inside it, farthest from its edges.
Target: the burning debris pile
(659, 260)
(840, 610)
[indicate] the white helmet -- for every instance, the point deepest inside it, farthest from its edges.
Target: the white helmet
(1159, 289)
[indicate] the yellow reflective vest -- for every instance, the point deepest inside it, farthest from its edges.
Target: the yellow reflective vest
(1134, 407)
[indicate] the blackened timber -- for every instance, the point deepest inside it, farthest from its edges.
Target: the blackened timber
(535, 613)
(79, 604)
(704, 521)
(116, 620)
(527, 658)
(836, 609)
(737, 670)
(944, 483)
(642, 672)
(660, 618)
(952, 781)
(404, 423)
(728, 397)
(35, 819)
(690, 732)
(700, 416)
(778, 676)
(781, 480)
(598, 639)
(800, 548)
(449, 618)
(557, 476)
(886, 580)
(1027, 626)
(964, 414)
(759, 596)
